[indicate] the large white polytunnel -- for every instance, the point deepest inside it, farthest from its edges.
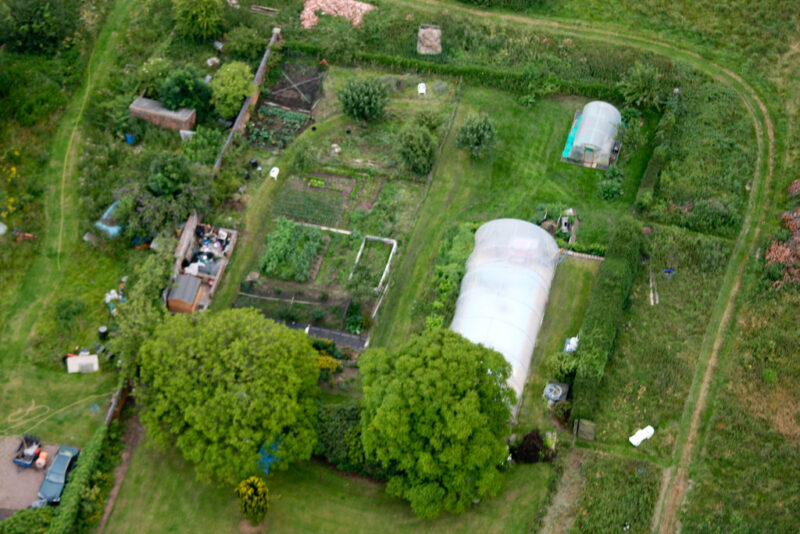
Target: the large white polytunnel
(504, 292)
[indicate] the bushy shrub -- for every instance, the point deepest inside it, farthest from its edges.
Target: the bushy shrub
(477, 135)
(38, 26)
(363, 98)
(339, 440)
(146, 214)
(168, 173)
(246, 43)
(154, 71)
(253, 497)
(609, 189)
(204, 146)
(231, 85)
(183, 88)
(198, 19)
(532, 449)
(416, 149)
(643, 85)
(712, 214)
(428, 119)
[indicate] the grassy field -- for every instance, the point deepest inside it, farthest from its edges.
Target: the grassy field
(524, 172)
(748, 470)
(647, 379)
(618, 495)
(160, 494)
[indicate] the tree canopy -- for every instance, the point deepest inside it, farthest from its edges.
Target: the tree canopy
(435, 413)
(222, 386)
(477, 135)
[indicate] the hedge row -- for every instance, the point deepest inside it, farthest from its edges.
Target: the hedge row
(595, 249)
(339, 440)
(514, 81)
(78, 481)
(604, 314)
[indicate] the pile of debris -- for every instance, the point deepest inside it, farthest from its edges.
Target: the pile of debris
(429, 40)
(787, 252)
(350, 9)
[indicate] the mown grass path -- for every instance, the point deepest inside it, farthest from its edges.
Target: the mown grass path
(61, 211)
(675, 484)
(59, 240)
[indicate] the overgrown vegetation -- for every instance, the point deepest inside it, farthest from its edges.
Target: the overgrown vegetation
(619, 495)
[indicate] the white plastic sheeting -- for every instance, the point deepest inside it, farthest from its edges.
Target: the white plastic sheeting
(597, 131)
(504, 292)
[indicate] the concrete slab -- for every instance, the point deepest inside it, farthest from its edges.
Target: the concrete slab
(19, 489)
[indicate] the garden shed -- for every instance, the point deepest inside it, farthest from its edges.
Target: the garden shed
(595, 135)
(185, 296)
(504, 292)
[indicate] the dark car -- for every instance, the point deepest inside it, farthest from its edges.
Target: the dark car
(53, 484)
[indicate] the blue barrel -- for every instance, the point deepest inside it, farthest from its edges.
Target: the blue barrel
(129, 138)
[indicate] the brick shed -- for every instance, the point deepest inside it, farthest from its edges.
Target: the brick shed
(152, 111)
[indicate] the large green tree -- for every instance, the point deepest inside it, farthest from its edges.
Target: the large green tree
(221, 386)
(435, 414)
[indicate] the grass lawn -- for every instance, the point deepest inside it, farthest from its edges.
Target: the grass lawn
(160, 494)
(523, 172)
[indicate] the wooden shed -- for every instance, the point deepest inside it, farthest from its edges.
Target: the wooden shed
(184, 297)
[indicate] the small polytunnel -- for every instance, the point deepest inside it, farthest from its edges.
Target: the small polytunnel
(504, 292)
(596, 134)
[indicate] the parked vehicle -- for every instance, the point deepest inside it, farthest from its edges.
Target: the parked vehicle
(27, 451)
(53, 483)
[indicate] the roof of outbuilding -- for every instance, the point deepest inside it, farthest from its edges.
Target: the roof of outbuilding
(186, 288)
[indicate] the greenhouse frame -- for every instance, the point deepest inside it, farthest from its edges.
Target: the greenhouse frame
(504, 293)
(595, 135)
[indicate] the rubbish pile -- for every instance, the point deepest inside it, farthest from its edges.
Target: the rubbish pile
(429, 40)
(350, 9)
(212, 246)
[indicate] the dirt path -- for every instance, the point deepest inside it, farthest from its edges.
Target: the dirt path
(561, 512)
(676, 480)
(131, 438)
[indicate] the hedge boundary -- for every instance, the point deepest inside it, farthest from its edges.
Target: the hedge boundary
(79, 480)
(604, 314)
(509, 80)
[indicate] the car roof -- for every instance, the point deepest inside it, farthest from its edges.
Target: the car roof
(67, 450)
